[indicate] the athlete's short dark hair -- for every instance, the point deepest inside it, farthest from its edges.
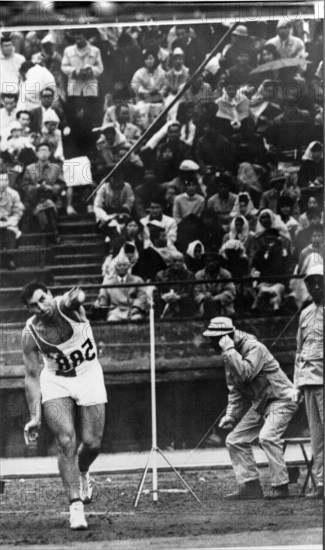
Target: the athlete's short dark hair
(29, 290)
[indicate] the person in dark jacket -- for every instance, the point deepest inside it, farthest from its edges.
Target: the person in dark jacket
(255, 382)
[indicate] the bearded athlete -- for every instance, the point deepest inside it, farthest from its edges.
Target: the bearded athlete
(70, 386)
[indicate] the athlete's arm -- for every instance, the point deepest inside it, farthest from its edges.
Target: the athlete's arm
(32, 386)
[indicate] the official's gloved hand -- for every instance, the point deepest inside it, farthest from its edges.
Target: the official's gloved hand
(226, 343)
(296, 395)
(227, 422)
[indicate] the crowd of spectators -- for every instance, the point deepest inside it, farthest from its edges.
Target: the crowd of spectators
(228, 185)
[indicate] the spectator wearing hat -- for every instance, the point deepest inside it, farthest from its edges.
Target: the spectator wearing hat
(10, 63)
(16, 142)
(308, 376)
(178, 74)
(270, 198)
(174, 300)
(160, 220)
(287, 45)
(11, 211)
(193, 51)
(217, 294)
(240, 39)
(124, 303)
(34, 79)
(254, 379)
(189, 202)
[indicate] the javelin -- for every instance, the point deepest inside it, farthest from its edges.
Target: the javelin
(285, 328)
(165, 111)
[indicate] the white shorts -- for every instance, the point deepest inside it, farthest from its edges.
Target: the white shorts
(85, 389)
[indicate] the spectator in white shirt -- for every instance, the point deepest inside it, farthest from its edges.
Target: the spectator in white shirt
(189, 202)
(8, 113)
(10, 63)
(286, 44)
(157, 217)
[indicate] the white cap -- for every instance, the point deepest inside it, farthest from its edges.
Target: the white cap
(177, 51)
(219, 326)
(317, 269)
(189, 166)
(51, 116)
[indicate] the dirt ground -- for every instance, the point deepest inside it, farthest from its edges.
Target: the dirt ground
(35, 511)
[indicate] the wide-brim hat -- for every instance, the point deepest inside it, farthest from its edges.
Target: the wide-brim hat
(219, 326)
(241, 31)
(315, 270)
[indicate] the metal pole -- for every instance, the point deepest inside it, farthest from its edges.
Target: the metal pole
(153, 401)
(167, 108)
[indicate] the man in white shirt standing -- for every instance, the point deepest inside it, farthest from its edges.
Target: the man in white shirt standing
(309, 370)
(8, 113)
(10, 63)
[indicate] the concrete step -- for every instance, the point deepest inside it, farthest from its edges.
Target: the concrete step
(80, 238)
(77, 269)
(85, 247)
(23, 276)
(77, 227)
(29, 256)
(79, 259)
(77, 279)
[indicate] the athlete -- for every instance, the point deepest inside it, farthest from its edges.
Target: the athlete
(70, 386)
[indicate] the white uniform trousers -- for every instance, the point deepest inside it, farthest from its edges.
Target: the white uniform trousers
(314, 400)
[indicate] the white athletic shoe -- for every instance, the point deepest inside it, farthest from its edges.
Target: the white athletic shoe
(85, 488)
(77, 517)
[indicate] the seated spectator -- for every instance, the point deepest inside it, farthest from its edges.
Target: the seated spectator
(44, 171)
(52, 60)
(290, 112)
(47, 97)
(303, 236)
(267, 219)
(152, 41)
(237, 263)
(114, 198)
(233, 105)
(193, 52)
(213, 151)
(180, 151)
(291, 187)
(130, 234)
(185, 119)
(11, 211)
(244, 206)
(272, 259)
(130, 131)
(313, 211)
(194, 257)
(240, 39)
(239, 231)
(8, 113)
(239, 72)
(144, 192)
(170, 196)
(156, 217)
(216, 297)
(285, 208)
(178, 74)
(107, 145)
(173, 300)
(10, 63)
(124, 303)
(34, 79)
(149, 81)
(249, 144)
(128, 250)
(166, 165)
(270, 198)
(189, 202)
(16, 142)
(222, 203)
(286, 43)
(199, 93)
(157, 256)
(263, 107)
(316, 246)
(24, 119)
(311, 171)
(52, 135)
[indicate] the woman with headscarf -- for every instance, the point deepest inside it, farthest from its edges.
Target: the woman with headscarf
(266, 220)
(239, 231)
(149, 81)
(312, 166)
(194, 257)
(244, 206)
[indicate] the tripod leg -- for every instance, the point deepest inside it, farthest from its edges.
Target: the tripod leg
(142, 480)
(179, 475)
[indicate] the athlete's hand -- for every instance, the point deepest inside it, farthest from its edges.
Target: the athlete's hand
(31, 431)
(75, 297)
(226, 423)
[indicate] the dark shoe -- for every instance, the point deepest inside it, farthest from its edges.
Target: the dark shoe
(317, 494)
(279, 491)
(249, 490)
(11, 265)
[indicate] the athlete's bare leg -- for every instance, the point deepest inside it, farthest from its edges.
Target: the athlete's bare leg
(60, 416)
(92, 422)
